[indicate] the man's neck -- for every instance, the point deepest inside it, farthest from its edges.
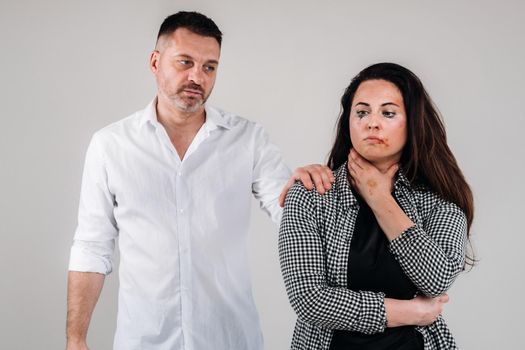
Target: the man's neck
(173, 118)
(181, 126)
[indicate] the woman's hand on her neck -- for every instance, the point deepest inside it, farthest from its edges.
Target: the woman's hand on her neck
(373, 182)
(375, 186)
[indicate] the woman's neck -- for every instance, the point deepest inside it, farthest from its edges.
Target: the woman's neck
(384, 165)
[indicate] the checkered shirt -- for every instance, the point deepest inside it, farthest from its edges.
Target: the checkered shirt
(314, 244)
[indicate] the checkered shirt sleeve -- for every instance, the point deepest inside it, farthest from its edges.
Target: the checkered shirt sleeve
(302, 257)
(432, 252)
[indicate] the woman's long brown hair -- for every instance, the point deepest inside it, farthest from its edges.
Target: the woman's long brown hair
(426, 158)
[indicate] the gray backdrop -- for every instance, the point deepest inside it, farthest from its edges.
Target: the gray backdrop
(70, 67)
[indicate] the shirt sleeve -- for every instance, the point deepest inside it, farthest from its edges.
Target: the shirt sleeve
(269, 174)
(302, 257)
(433, 254)
(94, 240)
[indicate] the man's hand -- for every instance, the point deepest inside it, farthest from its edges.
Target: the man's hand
(315, 174)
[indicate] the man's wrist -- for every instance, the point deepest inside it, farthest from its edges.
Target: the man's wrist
(75, 339)
(77, 345)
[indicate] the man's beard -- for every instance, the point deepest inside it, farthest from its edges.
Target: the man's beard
(190, 104)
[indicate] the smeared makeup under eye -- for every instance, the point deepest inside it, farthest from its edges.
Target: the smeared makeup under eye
(389, 114)
(361, 113)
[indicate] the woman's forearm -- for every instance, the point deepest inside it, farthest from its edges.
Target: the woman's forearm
(390, 217)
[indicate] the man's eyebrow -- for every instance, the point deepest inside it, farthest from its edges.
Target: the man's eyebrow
(183, 55)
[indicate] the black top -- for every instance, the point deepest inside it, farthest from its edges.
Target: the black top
(372, 267)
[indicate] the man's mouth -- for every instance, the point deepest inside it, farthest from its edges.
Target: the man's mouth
(193, 93)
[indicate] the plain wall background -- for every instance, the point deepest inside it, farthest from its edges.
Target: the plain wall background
(69, 68)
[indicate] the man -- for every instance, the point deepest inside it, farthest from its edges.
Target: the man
(173, 182)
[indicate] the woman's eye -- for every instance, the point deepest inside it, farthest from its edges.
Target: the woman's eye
(389, 114)
(361, 114)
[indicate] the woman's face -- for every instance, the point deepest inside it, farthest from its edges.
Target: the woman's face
(378, 122)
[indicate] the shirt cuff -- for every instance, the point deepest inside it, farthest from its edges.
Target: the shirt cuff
(84, 258)
(405, 240)
(373, 314)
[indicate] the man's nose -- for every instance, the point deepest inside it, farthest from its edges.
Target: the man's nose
(196, 75)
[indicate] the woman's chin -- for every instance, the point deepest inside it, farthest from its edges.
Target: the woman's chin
(373, 157)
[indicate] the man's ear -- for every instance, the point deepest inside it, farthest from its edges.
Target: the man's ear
(154, 60)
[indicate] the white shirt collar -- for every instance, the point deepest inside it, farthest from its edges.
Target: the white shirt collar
(214, 117)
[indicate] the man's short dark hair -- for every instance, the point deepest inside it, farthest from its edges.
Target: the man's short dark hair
(194, 22)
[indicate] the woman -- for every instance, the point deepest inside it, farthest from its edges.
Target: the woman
(394, 225)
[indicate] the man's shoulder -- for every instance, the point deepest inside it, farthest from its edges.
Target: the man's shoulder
(121, 127)
(230, 120)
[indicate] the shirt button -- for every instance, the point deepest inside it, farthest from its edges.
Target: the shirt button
(179, 173)
(181, 210)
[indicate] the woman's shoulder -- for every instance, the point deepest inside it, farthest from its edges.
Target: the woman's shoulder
(430, 201)
(298, 192)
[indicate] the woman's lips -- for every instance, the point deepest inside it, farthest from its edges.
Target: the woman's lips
(374, 139)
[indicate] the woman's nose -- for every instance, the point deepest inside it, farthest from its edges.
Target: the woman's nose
(373, 122)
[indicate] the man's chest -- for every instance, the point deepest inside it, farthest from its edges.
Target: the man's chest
(150, 175)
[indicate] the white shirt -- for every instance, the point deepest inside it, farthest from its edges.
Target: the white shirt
(182, 228)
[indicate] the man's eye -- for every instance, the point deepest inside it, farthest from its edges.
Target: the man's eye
(185, 62)
(209, 68)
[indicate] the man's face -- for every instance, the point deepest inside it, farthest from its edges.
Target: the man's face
(185, 67)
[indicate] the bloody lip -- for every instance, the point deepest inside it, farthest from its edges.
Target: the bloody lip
(373, 139)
